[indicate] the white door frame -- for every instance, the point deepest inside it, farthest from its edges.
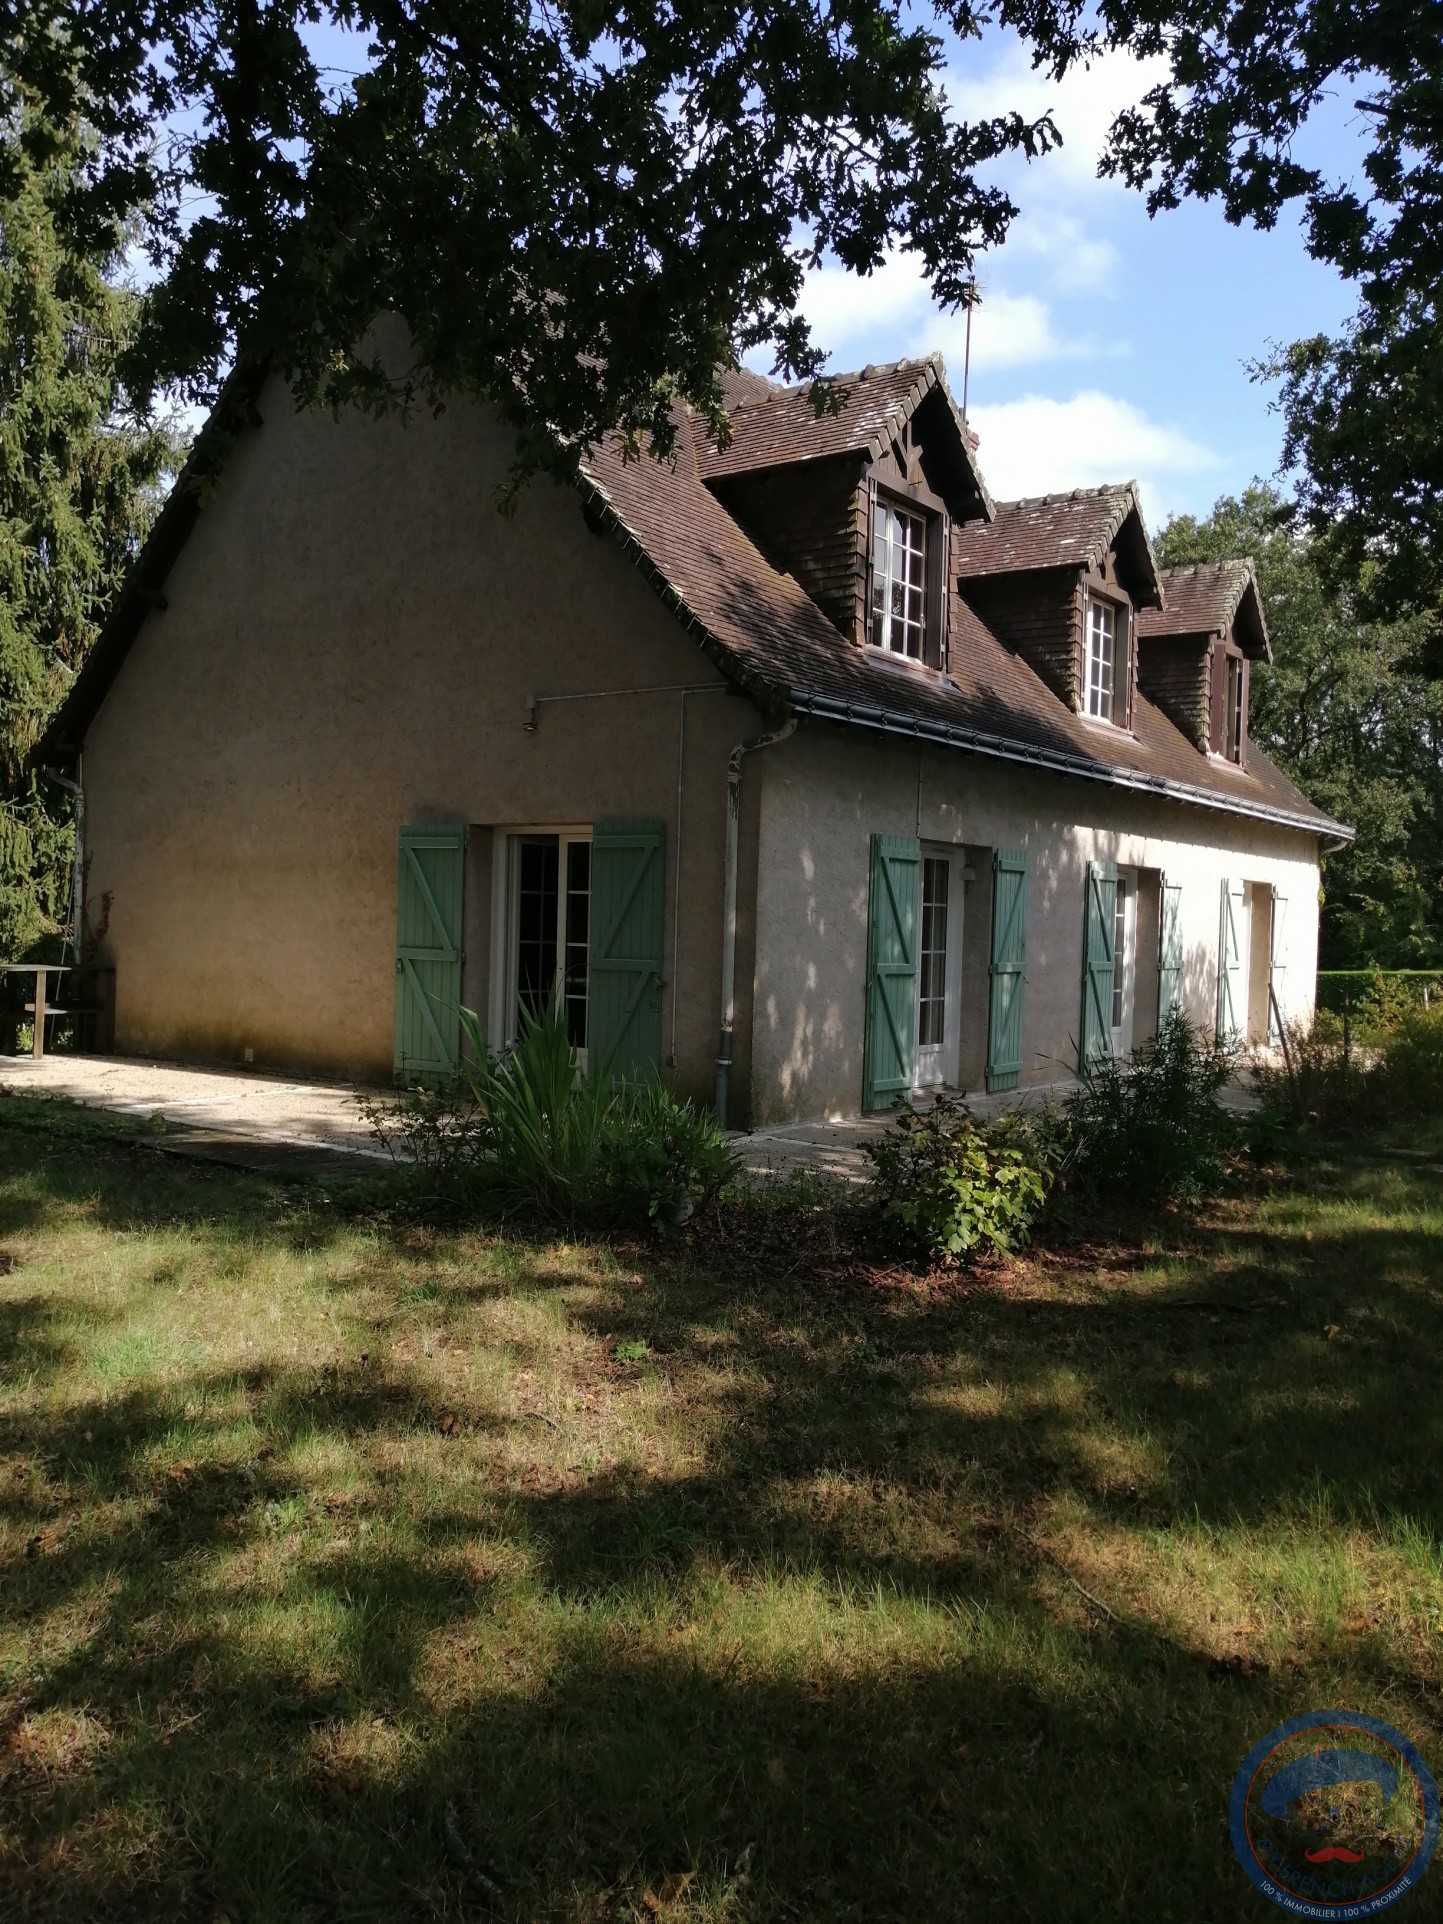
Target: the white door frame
(505, 905)
(936, 1063)
(1124, 964)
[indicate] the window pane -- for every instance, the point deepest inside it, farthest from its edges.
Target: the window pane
(536, 906)
(1119, 953)
(578, 940)
(1101, 645)
(1233, 721)
(898, 581)
(932, 1014)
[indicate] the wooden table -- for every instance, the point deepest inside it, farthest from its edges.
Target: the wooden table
(42, 971)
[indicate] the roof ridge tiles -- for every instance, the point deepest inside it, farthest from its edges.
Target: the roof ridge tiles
(1069, 494)
(871, 372)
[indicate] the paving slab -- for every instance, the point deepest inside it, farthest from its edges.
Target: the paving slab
(239, 1107)
(831, 1149)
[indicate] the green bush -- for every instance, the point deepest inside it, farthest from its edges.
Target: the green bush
(1148, 1130)
(1413, 1065)
(437, 1130)
(1321, 1082)
(529, 1133)
(954, 1188)
(593, 1149)
(1352, 1090)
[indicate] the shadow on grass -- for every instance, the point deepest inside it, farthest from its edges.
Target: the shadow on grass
(834, 1670)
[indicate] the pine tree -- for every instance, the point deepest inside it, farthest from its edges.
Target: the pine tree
(79, 482)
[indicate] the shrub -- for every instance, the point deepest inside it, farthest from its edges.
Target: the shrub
(1320, 1082)
(1149, 1130)
(438, 1130)
(1413, 1064)
(529, 1132)
(1349, 1091)
(954, 1187)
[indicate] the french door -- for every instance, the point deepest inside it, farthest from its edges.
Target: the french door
(939, 967)
(548, 931)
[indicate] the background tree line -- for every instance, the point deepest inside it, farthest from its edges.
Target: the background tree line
(1346, 709)
(81, 474)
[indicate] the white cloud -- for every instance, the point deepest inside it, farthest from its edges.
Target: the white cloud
(1074, 261)
(890, 314)
(1037, 445)
(1083, 104)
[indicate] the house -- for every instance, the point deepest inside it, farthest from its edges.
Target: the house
(801, 770)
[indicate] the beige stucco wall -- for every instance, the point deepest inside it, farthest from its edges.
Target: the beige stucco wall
(352, 634)
(829, 789)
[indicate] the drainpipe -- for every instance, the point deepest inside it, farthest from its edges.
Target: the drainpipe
(77, 879)
(729, 908)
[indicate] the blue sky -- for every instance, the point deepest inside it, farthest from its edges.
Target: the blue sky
(1109, 346)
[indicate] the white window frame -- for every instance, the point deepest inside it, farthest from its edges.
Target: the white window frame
(1107, 704)
(1233, 709)
(505, 923)
(1124, 964)
(884, 582)
(935, 1065)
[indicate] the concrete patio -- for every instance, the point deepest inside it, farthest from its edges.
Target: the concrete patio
(224, 1114)
(239, 1116)
(281, 1122)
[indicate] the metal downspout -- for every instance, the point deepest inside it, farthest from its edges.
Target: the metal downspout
(729, 908)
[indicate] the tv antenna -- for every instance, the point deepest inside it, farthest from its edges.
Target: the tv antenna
(971, 297)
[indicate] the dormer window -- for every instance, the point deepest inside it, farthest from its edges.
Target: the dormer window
(1106, 659)
(1233, 711)
(899, 581)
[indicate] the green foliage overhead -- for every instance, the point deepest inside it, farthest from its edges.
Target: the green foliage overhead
(1363, 412)
(1346, 710)
(581, 211)
(78, 477)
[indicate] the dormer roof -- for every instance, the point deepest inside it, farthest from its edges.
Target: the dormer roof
(859, 413)
(1063, 531)
(1212, 598)
(768, 636)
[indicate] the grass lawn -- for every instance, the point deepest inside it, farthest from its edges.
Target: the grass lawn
(350, 1570)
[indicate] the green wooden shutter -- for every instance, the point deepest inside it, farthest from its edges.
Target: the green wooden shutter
(1169, 962)
(429, 888)
(1232, 990)
(890, 1045)
(628, 889)
(1277, 965)
(1098, 966)
(1009, 960)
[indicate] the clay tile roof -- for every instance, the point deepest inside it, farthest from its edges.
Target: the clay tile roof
(1048, 531)
(741, 388)
(766, 633)
(784, 427)
(1205, 599)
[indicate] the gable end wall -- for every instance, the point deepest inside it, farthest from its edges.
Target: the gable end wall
(353, 641)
